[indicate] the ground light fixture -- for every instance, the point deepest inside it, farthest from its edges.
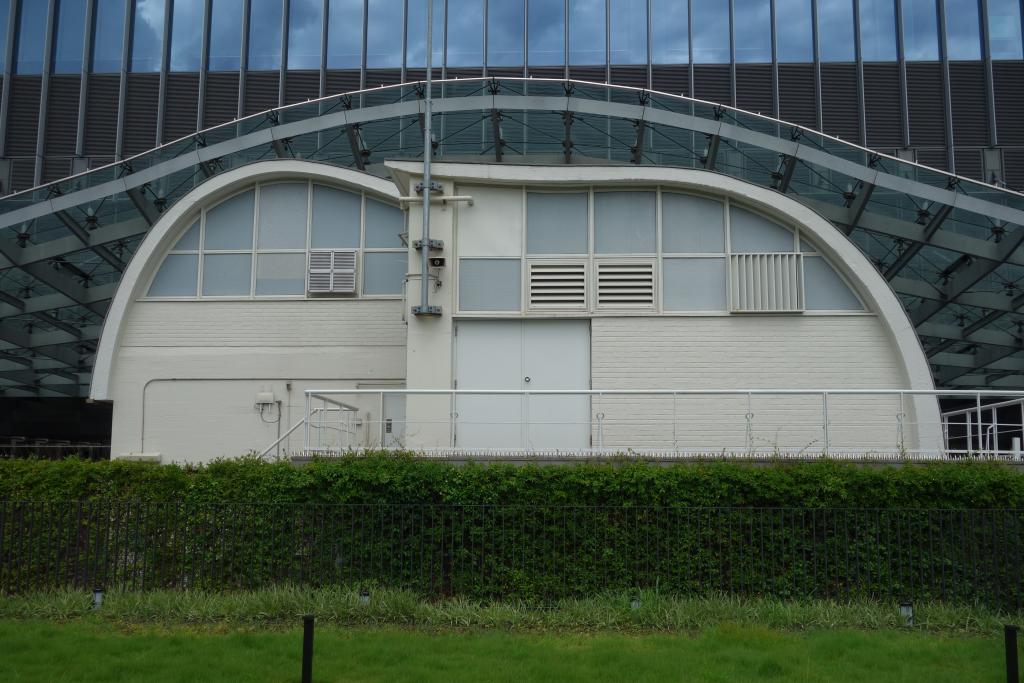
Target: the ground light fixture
(634, 601)
(97, 598)
(907, 612)
(364, 596)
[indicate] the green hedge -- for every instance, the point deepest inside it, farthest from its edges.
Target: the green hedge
(396, 479)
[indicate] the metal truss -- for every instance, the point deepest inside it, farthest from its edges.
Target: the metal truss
(951, 247)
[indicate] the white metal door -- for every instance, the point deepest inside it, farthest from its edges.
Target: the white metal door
(523, 355)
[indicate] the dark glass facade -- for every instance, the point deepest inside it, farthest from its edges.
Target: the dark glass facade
(938, 80)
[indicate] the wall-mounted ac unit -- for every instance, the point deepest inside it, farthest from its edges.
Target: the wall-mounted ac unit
(554, 284)
(332, 271)
(766, 283)
(625, 284)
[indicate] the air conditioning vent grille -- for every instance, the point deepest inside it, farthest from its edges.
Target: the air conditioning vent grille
(558, 285)
(625, 285)
(332, 271)
(766, 283)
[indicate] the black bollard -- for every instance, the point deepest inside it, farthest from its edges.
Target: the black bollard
(1012, 665)
(307, 649)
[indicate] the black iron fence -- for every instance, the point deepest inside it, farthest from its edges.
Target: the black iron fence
(527, 552)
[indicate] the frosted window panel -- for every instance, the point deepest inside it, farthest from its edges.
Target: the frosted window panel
(556, 223)
(384, 224)
(177, 276)
(280, 274)
(190, 240)
(624, 223)
(227, 274)
(384, 272)
(753, 233)
(693, 284)
(282, 221)
(335, 219)
(489, 284)
(824, 290)
(692, 224)
(229, 224)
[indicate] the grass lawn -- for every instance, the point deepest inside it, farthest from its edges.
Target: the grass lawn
(91, 649)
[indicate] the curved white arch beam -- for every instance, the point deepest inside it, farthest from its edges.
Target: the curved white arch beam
(166, 230)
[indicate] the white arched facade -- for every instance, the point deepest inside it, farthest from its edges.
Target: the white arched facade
(197, 377)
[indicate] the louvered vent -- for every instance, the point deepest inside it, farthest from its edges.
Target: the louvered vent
(766, 283)
(332, 271)
(625, 285)
(558, 285)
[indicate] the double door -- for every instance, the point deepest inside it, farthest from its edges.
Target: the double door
(522, 355)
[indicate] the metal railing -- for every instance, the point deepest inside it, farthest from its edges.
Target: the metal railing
(752, 423)
(529, 552)
(23, 447)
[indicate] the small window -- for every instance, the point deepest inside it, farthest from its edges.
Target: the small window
(693, 284)
(229, 224)
(227, 274)
(624, 223)
(177, 276)
(384, 224)
(692, 225)
(280, 274)
(384, 272)
(753, 233)
(489, 284)
(556, 223)
(825, 290)
(335, 219)
(283, 209)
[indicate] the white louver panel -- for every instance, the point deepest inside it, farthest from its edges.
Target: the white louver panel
(558, 285)
(766, 283)
(332, 271)
(625, 285)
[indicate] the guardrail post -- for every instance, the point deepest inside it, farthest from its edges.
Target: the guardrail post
(1012, 663)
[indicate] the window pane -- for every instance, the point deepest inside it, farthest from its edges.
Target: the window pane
(29, 42)
(489, 284)
(282, 223)
(178, 276)
(147, 35)
(692, 225)
(586, 32)
(186, 35)
(793, 41)
(189, 241)
(753, 233)
(628, 31)
(624, 223)
(225, 35)
(384, 224)
(669, 32)
(107, 36)
(227, 274)
(264, 34)
(835, 31)
(336, 216)
(752, 28)
(878, 30)
(824, 290)
(278, 274)
(305, 33)
(711, 37)
(384, 272)
(344, 34)
(384, 34)
(1004, 29)
(963, 29)
(505, 26)
(67, 43)
(556, 223)
(416, 38)
(693, 284)
(5, 10)
(920, 30)
(229, 224)
(465, 32)
(546, 33)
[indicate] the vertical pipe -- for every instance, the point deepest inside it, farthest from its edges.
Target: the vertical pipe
(858, 56)
(307, 648)
(428, 151)
(5, 93)
(204, 64)
(901, 56)
(44, 90)
(947, 106)
(824, 418)
(126, 54)
(165, 65)
(83, 83)
(970, 435)
(305, 438)
(995, 431)
(990, 98)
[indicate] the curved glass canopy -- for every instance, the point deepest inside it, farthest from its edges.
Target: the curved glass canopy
(951, 247)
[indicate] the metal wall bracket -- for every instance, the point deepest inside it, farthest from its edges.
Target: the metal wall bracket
(431, 244)
(434, 187)
(426, 310)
